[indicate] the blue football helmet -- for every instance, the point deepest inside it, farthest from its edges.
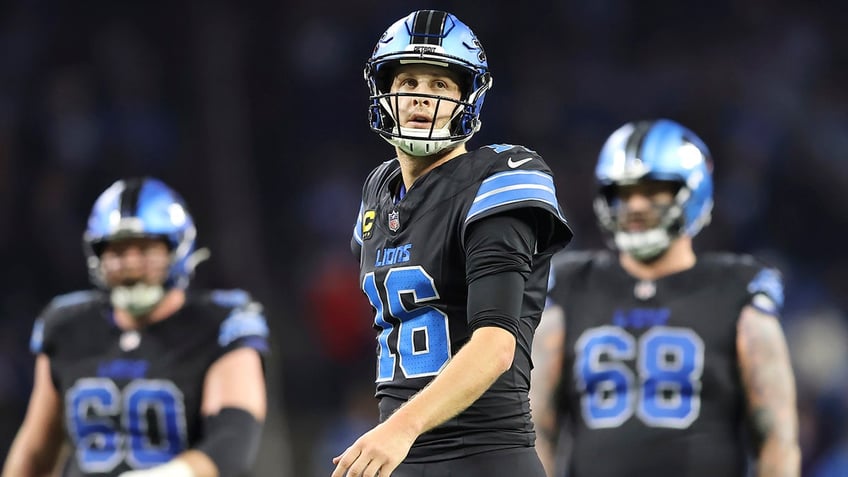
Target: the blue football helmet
(658, 150)
(147, 208)
(435, 38)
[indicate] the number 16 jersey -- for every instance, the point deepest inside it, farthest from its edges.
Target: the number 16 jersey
(413, 271)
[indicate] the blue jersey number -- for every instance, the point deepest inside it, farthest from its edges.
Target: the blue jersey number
(667, 390)
(109, 426)
(417, 338)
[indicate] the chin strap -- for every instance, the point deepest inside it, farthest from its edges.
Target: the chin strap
(427, 146)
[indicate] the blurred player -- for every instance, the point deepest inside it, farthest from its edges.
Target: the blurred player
(142, 373)
(664, 354)
(454, 248)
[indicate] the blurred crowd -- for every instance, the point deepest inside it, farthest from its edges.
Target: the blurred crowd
(257, 113)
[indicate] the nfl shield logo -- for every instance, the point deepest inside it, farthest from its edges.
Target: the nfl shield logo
(394, 221)
(645, 290)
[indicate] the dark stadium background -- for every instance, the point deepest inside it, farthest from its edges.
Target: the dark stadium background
(256, 113)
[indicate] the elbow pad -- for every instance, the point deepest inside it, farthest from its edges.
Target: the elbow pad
(231, 439)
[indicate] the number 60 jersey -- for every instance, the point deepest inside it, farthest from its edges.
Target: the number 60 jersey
(650, 375)
(132, 398)
(413, 271)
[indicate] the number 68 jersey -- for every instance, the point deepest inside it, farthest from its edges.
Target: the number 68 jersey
(132, 398)
(650, 374)
(413, 271)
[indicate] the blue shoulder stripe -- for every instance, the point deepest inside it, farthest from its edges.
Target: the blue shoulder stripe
(230, 298)
(71, 299)
(36, 341)
(509, 187)
(768, 283)
(243, 323)
(357, 229)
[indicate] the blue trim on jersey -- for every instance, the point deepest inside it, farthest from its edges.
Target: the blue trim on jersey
(257, 343)
(357, 229)
(499, 148)
(36, 340)
(769, 283)
(241, 324)
(71, 299)
(509, 187)
(230, 298)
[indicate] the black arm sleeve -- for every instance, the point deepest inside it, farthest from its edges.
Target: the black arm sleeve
(231, 440)
(499, 255)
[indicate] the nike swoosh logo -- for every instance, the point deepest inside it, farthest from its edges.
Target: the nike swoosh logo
(514, 164)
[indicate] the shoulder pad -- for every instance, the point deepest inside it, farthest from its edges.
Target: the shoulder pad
(379, 176)
(72, 299)
(36, 340)
(60, 309)
(766, 290)
(510, 189)
(243, 322)
(567, 263)
(512, 148)
(230, 298)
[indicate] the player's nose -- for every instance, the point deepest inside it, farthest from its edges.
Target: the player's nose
(637, 202)
(420, 101)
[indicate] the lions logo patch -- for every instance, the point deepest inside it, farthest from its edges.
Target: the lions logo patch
(368, 223)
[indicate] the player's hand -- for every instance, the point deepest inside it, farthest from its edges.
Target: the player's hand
(377, 452)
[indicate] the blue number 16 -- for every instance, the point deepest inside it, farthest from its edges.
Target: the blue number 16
(421, 342)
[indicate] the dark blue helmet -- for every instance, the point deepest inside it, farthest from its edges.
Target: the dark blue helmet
(142, 207)
(660, 150)
(436, 38)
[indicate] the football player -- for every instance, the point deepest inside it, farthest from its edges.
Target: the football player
(454, 247)
(653, 357)
(146, 377)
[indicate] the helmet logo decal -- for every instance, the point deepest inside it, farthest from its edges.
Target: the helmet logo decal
(482, 54)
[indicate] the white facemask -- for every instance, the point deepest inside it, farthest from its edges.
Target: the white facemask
(139, 299)
(643, 246)
(423, 142)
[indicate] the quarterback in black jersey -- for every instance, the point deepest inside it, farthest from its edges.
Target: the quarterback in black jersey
(146, 377)
(653, 360)
(454, 248)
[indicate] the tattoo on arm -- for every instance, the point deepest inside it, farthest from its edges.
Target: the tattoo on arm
(770, 391)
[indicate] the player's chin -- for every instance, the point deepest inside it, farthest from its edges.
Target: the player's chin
(418, 125)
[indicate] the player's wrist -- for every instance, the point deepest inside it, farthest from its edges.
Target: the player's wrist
(174, 468)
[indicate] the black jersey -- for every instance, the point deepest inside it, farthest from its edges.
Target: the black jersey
(413, 271)
(132, 398)
(650, 378)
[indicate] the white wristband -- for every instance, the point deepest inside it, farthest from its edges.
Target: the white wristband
(175, 468)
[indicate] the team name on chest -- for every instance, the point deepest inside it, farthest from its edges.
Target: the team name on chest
(392, 255)
(641, 317)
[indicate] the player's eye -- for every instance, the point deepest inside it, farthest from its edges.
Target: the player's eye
(410, 83)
